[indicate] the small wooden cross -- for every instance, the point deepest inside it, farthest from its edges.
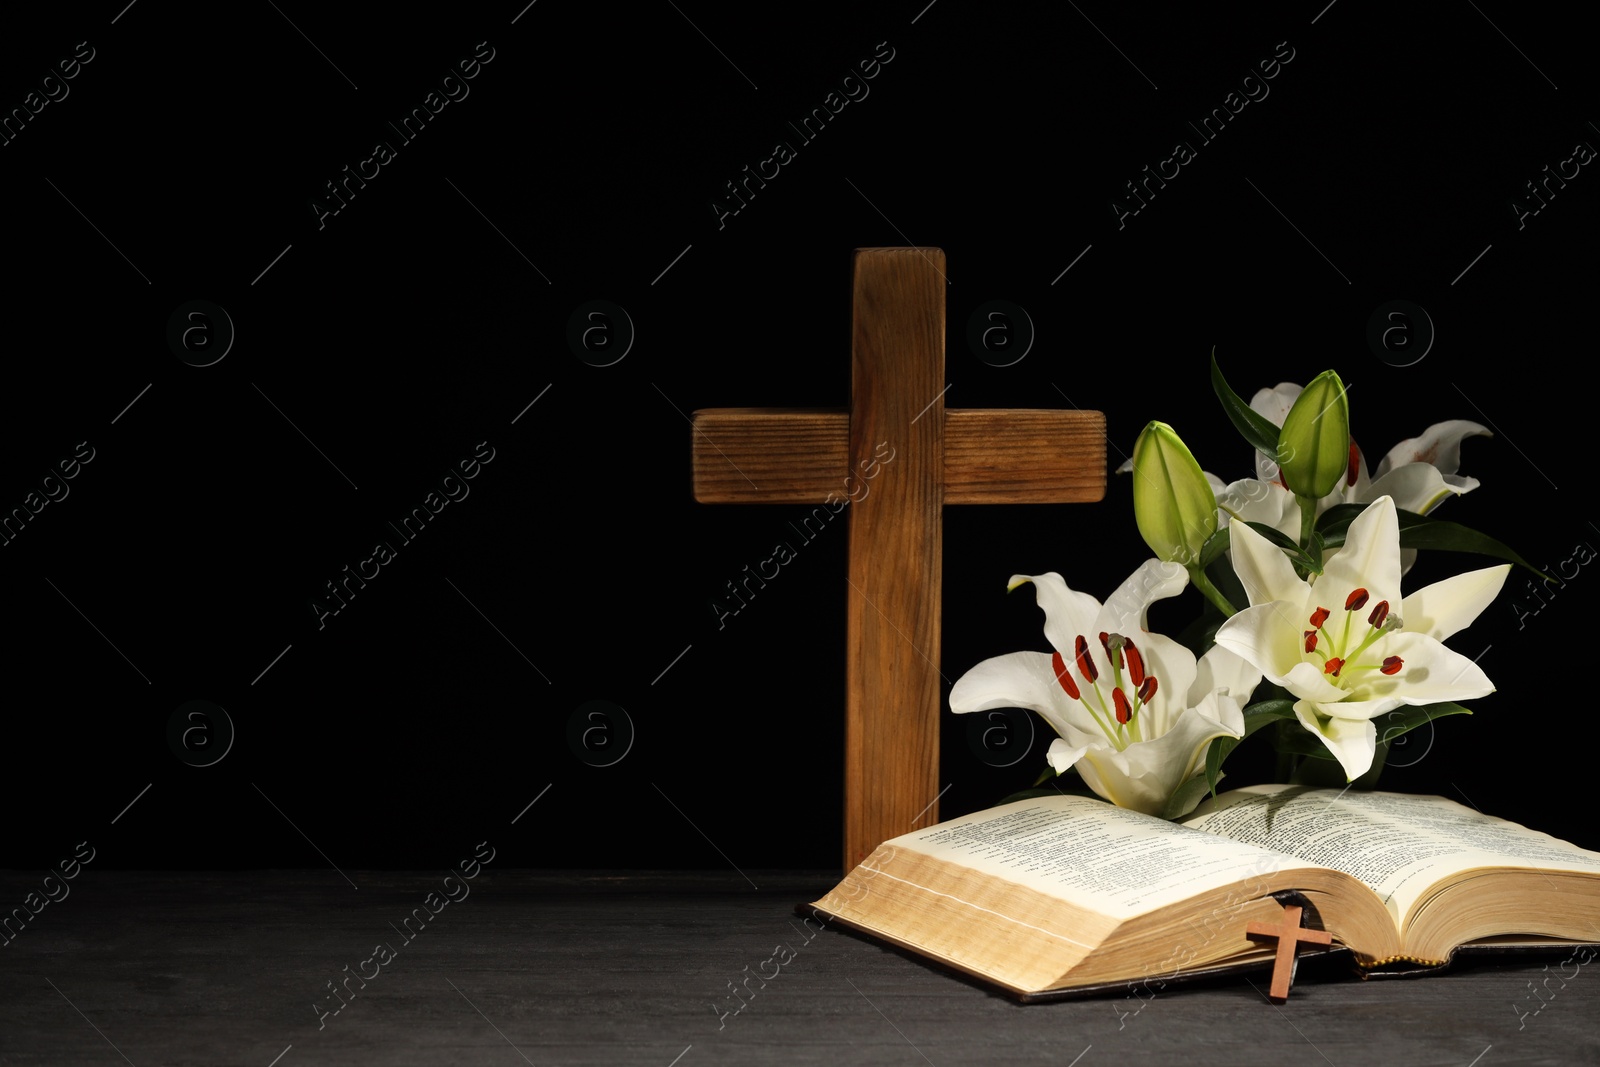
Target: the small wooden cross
(799, 456)
(1289, 935)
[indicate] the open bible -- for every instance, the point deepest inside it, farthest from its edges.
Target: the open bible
(1067, 893)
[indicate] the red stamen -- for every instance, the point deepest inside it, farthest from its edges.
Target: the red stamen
(1135, 663)
(1124, 712)
(1350, 475)
(1379, 613)
(1319, 616)
(1147, 689)
(1063, 677)
(1311, 640)
(1086, 665)
(1392, 665)
(1356, 600)
(1333, 666)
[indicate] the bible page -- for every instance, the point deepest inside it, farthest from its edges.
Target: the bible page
(1109, 860)
(1397, 843)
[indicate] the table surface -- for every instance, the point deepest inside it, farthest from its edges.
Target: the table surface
(568, 968)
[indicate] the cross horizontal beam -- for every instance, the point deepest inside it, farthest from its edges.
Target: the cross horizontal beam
(800, 455)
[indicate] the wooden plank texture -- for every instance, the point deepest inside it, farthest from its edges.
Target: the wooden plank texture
(896, 547)
(584, 969)
(1024, 456)
(801, 455)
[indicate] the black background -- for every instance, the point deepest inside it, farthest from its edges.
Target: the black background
(379, 349)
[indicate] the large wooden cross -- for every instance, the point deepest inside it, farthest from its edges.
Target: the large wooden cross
(801, 456)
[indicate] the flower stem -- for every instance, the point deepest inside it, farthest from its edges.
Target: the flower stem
(1308, 520)
(1197, 575)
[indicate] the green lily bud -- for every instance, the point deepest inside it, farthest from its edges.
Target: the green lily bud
(1314, 444)
(1172, 502)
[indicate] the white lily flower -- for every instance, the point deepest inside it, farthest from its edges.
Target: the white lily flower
(1134, 710)
(1346, 643)
(1419, 472)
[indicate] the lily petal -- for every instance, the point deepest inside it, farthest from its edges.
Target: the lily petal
(1144, 776)
(1224, 670)
(1253, 500)
(1355, 710)
(1274, 404)
(1353, 742)
(1438, 445)
(1417, 487)
(1369, 560)
(1444, 607)
(1063, 754)
(1308, 681)
(1268, 635)
(1431, 673)
(1067, 613)
(1264, 571)
(1015, 680)
(1124, 611)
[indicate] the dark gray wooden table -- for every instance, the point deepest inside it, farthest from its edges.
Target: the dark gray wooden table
(629, 968)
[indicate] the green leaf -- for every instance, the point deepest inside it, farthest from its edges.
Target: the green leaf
(1256, 716)
(1420, 531)
(1292, 737)
(1291, 548)
(1184, 798)
(1277, 537)
(1215, 546)
(1227, 583)
(1338, 519)
(1453, 537)
(1219, 751)
(1408, 717)
(1262, 712)
(1257, 429)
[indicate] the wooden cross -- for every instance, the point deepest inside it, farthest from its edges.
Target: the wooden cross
(801, 456)
(1289, 935)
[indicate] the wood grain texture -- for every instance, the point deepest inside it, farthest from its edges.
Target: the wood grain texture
(898, 457)
(801, 455)
(609, 968)
(769, 455)
(896, 547)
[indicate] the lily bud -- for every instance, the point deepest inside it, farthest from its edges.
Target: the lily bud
(1314, 444)
(1173, 504)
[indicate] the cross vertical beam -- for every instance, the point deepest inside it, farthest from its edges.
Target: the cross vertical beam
(896, 545)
